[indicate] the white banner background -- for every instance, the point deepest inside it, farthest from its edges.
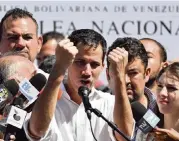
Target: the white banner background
(157, 20)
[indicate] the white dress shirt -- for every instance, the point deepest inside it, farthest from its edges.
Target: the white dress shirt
(70, 122)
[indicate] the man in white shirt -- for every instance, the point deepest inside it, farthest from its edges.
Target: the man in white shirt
(65, 120)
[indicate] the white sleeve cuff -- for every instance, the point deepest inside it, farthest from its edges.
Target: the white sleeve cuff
(46, 137)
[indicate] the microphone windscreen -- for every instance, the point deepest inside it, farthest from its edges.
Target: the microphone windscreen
(18, 102)
(12, 86)
(38, 81)
(83, 91)
(138, 110)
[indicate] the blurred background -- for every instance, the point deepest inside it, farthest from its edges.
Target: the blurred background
(157, 19)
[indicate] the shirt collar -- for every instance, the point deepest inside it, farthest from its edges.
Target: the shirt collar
(65, 94)
(151, 98)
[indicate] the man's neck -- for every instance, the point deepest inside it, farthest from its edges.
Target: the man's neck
(153, 87)
(144, 101)
(74, 96)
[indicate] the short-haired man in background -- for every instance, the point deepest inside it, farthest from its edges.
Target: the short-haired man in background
(127, 73)
(49, 44)
(157, 59)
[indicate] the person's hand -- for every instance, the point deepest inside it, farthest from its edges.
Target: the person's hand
(118, 59)
(65, 53)
(11, 138)
(166, 134)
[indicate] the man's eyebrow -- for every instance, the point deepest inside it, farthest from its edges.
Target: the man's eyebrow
(28, 34)
(15, 34)
(132, 69)
(150, 53)
(12, 34)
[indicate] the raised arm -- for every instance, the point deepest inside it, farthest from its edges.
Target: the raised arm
(123, 117)
(46, 103)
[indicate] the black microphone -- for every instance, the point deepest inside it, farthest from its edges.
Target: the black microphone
(30, 89)
(15, 118)
(84, 92)
(17, 113)
(38, 81)
(145, 119)
(7, 91)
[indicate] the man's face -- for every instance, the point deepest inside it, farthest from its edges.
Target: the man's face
(86, 67)
(20, 35)
(154, 59)
(136, 76)
(47, 49)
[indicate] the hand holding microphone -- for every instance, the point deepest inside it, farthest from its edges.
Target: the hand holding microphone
(11, 138)
(165, 134)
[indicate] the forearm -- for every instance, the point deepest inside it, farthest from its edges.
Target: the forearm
(123, 117)
(44, 108)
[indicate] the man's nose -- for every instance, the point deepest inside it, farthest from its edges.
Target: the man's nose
(87, 69)
(20, 43)
(127, 79)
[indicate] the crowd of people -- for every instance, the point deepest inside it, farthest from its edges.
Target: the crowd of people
(137, 71)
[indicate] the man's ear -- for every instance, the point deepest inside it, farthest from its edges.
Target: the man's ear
(147, 74)
(40, 40)
(164, 64)
(107, 74)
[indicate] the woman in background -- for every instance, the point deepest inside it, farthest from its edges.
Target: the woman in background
(168, 103)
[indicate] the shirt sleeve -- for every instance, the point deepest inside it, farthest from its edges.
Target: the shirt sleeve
(111, 118)
(112, 133)
(46, 137)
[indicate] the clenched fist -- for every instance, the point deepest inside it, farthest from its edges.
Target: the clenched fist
(65, 53)
(118, 59)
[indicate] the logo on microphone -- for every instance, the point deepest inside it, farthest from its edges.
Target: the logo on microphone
(16, 115)
(26, 86)
(28, 90)
(3, 94)
(148, 122)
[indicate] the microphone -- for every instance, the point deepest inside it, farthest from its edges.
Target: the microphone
(145, 119)
(7, 91)
(15, 118)
(30, 89)
(38, 81)
(84, 92)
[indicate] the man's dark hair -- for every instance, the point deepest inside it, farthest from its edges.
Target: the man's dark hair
(88, 37)
(163, 53)
(134, 47)
(47, 64)
(15, 14)
(52, 35)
